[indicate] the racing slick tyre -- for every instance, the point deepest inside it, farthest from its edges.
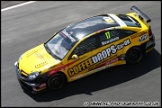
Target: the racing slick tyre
(134, 55)
(56, 81)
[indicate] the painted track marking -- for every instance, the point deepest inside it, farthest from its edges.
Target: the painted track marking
(22, 4)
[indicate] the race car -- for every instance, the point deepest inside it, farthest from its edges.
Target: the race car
(86, 47)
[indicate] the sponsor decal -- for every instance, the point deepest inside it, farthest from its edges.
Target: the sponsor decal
(107, 35)
(111, 61)
(138, 35)
(101, 56)
(110, 50)
(42, 85)
(103, 66)
(108, 20)
(134, 36)
(109, 41)
(61, 67)
(65, 34)
(81, 66)
(31, 52)
(99, 64)
(144, 37)
(39, 56)
(41, 64)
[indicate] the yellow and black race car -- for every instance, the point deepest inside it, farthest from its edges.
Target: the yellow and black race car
(84, 48)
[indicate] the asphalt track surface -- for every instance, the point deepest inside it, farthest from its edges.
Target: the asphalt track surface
(28, 26)
(5, 4)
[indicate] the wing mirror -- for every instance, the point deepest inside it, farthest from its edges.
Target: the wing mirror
(54, 34)
(74, 57)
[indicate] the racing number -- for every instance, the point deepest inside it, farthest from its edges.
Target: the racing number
(107, 35)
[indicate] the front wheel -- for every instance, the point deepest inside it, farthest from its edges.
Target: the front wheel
(134, 55)
(56, 81)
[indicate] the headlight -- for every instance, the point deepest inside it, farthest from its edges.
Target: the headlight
(16, 63)
(33, 75)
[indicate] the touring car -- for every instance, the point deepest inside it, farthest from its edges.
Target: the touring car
(86, 47)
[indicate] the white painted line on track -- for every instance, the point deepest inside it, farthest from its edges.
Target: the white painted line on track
(22, 4)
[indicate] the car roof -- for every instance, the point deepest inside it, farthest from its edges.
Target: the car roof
(87, 26)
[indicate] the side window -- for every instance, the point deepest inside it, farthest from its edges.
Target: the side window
(128, 32)
(108, 37)
(114, 35)
(121, 33)
(86, 46)
(104, 36)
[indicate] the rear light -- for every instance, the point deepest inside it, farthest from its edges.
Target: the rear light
(150, 32)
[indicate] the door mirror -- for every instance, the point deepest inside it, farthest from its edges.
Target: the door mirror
(74, 57)
(54, 34)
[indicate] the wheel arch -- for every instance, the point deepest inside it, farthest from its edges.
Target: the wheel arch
(131, 48)
(51, 76)
(54, 72)
(142, 47)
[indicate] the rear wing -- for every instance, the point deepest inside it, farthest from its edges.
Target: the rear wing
(141, 14)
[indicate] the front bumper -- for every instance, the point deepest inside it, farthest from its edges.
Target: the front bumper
(27, 84)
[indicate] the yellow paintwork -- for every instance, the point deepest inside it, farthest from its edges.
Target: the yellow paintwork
(38, 59)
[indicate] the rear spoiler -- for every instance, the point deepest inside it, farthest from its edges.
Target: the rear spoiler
(141, 14)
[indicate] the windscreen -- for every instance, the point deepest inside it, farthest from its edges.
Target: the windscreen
(129, 21)
(60, 44)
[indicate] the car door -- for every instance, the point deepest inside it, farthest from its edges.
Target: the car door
(84, 50)
(106, 50)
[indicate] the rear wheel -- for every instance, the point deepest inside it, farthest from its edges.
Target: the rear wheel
(56, 81)
(134, 55)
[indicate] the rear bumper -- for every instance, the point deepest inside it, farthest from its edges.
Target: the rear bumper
(150, 44)
(26, 84)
